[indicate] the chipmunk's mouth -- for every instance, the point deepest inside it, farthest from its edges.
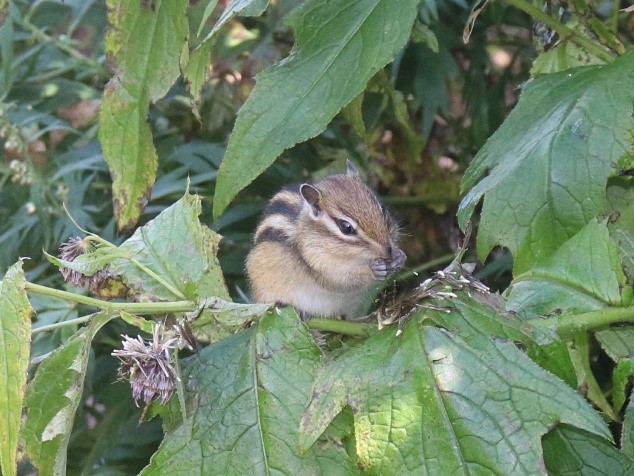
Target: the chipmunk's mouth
(382, 267)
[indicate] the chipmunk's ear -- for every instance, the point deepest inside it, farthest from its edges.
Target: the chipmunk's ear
(312, 197)
(351, 169)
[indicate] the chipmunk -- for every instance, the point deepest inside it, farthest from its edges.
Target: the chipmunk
(321, 247)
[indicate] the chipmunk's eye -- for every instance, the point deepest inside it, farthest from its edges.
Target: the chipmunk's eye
(346, 227)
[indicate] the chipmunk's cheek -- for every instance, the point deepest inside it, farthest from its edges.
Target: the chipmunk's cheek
(380, 268)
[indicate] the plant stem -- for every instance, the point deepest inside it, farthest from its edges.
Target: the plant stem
(564, 32)
(570, 324)
(44, 37)
(131, 307)
(57, 325)
(357, 329)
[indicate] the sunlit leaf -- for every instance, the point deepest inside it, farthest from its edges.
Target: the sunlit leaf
(430, 402)
(245, 398)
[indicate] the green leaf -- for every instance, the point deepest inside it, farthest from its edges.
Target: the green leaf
(220, 318)
(126, 140)
(618, 343)
(295, 99)
(550, 160)
(584, 273)
(155, 32)
(145, 42)
(480, 314)
(178, 251)
(196, 70)
(15, 337)
(627, 437)
(620, 194)
(621, 379)
(245, 396)
(52, 399)
(430, 402)
(563, 56)
(570, 451)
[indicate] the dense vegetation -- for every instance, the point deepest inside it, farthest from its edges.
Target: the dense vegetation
(142, 126)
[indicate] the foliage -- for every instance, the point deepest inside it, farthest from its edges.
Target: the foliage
(457, 379)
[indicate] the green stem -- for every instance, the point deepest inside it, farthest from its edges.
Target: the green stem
(613, 21)
(131, 307)
(42, 36)
(570, 324)
(57, 325)
(357, 329)
(563, 31)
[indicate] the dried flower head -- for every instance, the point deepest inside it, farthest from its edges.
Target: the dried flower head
(69, 251)
(148, 366)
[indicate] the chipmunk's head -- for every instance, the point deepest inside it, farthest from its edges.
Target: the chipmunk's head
(347, 235)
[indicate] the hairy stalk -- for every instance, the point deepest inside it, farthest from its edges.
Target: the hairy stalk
(131, 307)
(569, 324)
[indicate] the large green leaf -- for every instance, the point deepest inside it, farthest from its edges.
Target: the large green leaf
(52, 398)
(295, 99)
(179, 250)
(570, 451)
(15, 337)
(549, 162)
(584, 273)
(144, 43)
(430, 402)
(246, 396)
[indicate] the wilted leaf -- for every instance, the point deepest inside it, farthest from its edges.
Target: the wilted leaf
(245, 398)
(295, 99)
(569, 451)
(52, 398)
(144, 43)
(548, 164)
(179, 250)
(430, 402)
(15, 337)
